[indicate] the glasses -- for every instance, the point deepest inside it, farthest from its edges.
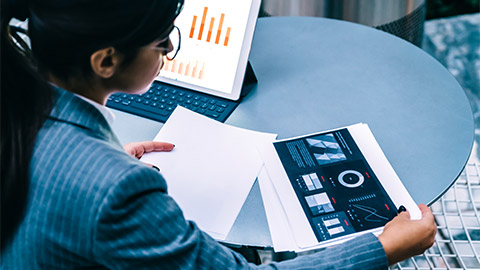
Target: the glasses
(174, 40)
(175, 37)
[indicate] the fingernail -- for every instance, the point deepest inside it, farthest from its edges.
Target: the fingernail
(156, 168)
(401, 209)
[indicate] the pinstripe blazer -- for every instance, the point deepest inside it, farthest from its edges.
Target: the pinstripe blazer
(93, 206)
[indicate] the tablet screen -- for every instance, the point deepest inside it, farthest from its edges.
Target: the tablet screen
(214, 35)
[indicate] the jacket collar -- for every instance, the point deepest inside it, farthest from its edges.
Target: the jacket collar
(75, 111)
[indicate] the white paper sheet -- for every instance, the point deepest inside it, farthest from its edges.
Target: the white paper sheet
(278, 224)
(211, 169)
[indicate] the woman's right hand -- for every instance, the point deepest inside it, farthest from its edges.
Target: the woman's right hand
(403, 238)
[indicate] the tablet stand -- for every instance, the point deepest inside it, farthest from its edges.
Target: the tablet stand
(249, 80)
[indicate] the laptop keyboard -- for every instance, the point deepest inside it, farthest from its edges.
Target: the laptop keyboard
(160, 101)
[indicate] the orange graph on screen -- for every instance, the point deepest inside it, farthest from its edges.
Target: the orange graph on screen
(193, 69)
(201, 35)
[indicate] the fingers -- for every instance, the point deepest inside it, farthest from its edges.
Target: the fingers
(151, 146)
(427, 214)
(153, 167)
(404, 215)
(137, 149)
(428, 226)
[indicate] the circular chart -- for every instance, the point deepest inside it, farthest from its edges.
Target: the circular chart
(351, 179)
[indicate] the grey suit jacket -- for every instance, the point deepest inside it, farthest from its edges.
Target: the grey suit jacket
(93, 206)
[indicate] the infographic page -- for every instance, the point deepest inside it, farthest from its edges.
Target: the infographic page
(337, 189)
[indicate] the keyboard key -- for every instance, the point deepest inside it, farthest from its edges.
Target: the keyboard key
(139, 100)
(146, 102)
(148, 96)
(197, 98)
(212, 101)
(131, 98)
(223, 105)
(155, 98)
(154, 104)
(204, 99)
(173, 97)
(212, 108)
(170, 108)
(181, 94)
(174, 91)
(220, 110)
(126, 102)
(196, 103)
(150, 109)
(170, 102)
(124, 96)
(181, 99)
(212, 114)
(189, 101)
(117, 100)
(204, 106)
(202, 111)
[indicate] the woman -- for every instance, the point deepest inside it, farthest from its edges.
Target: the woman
(87, 202)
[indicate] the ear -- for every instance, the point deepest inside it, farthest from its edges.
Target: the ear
(105, 62)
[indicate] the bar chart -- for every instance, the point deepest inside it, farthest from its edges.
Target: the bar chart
(200, 29)
(192, 69)
(212, 34)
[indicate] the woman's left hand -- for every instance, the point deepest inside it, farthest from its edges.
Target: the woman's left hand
(137, 149)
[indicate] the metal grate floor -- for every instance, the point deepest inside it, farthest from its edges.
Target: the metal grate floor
(457, 213)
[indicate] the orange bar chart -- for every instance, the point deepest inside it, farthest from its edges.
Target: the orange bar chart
(202, 25)
(210, 29)
(192, 30)
(227, 37)
(190, 69)
(219, 31)
(209, 33)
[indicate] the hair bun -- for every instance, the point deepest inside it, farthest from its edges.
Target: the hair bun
(18, 9)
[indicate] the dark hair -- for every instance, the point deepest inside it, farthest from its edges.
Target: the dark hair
(63, 35)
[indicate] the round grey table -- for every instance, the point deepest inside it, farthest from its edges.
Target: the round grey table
(316, 74)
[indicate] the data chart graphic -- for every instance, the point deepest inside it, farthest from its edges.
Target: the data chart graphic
(212, 34)
(372, 213)
(319, 203)
(192, 69)
(326, 149)
(205, 35)
(311, 181)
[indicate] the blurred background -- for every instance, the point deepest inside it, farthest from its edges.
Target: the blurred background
(447, 8)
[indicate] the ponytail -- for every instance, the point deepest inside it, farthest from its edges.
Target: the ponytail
(25, 101)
